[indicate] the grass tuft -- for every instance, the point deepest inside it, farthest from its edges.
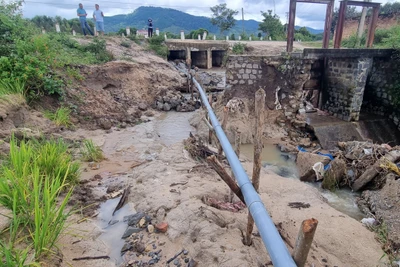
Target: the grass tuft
(91, 152)
(61, 117)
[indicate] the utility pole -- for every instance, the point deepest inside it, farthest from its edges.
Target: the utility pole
(242, 22)
(361, 24)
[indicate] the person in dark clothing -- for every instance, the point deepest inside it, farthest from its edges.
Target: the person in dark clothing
(150, 29)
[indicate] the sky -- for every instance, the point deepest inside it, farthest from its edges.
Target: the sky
(311, 15)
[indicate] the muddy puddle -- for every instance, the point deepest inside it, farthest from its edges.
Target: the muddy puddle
(172, 127)
(113, 227)
(283, 164)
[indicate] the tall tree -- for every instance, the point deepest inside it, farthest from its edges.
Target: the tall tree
(271, 25)
(223, 17)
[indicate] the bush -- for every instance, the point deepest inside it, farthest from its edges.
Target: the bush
(34, 177)
(61, 117)
(238, 48)
(98, 48)
(126, 44)
(156, 43)
(91, 152)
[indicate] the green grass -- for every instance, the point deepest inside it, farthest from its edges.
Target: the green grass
(238, 48)
(91, 152)
(12, 88)
(36, 185)
(61, 117)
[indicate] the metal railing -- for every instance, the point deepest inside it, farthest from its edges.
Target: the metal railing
(273, 242)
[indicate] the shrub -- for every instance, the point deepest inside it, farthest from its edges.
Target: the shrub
(98, 48)
(156, 43)
(238, 48)
(126, 44)
(91, 152)
(61, 116)
(10, 88)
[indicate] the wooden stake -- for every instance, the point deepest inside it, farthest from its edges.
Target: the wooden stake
(237, 151)
(258, 146)
(217, 166)
(304, 241)
(224, 122)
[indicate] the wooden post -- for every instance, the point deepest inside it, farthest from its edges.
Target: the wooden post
(340, 24)
(237, 151)
(304, 241)
(217, 166)
(224, 122)
(292, 16)
(372, 26)
(328, 24)
(209, 131)
(258, 146)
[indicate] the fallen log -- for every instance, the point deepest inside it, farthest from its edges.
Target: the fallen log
(374, 170)
(217, 166)
(123, 199)
(91, 258)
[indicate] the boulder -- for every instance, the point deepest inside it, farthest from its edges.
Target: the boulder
(305, 162)
(335, 174)
(142, 106)
(105, 123)
(385, 205)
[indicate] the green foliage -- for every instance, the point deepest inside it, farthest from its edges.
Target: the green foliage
(98, 48)
(121, 31)
(61, 116)
(126, 44)
(272, 26)
(12, 87)
(223, 17)
(34, 176)
(238, 48)
(91, 152)
(195, 33)
(156, 43)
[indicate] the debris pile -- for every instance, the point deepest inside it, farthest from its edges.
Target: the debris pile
(174, 100)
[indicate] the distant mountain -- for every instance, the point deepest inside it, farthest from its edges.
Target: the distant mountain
(171, 20)
(311, 30)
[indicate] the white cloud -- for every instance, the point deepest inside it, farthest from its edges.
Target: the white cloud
(307, 14)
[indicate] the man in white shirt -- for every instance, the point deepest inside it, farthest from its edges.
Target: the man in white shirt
(98, 17)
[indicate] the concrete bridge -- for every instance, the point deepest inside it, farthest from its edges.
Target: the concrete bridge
(203, 54)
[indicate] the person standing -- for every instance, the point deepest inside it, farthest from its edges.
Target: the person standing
(98, 17)
(150, 29)
(82, 19)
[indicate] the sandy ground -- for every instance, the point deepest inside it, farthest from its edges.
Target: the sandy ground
(212, 236)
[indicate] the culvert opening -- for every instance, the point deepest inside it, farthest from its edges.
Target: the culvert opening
(217, 57)
(177, 55)
(199, 59)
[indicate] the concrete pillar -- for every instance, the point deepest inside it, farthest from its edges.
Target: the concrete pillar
(188, 57)
(58, 27)
(182, 35)
(198, 37)
(128, 31)
(240, 37)
(165, 37)
(157, 32)
(94, 31)
(209, 58)
(227, 38)
(204, 35)
(269, 38)
(261, 38)
(250, 38)
(122, 34)
(215, 37)
(43, 31)
(73, 33)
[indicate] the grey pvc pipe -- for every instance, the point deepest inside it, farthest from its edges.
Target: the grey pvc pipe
(273, 242)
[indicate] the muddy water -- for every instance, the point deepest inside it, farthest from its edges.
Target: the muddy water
(112, 233)
(172, 127)
(342, 200)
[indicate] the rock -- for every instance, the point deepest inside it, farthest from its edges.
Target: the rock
(384, 204)
(126, 247)
(176, 261)
(305, 142)
(192, 263)
(134, 219)
(4, 148)
(139, 247)
(160, 214)
(105, 123)
(123, 125)
(185, 252)
(299, 124)
(112, 222)
(113, 188)
(166, 107)
(162, 227)
(159, 106)
(150, 228)
(149, 113)
(142, 106)
(305, 161)
(335, 174)
(129, 231)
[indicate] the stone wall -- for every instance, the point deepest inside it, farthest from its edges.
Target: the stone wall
(378, 97)
(345, 80)
(281, 77)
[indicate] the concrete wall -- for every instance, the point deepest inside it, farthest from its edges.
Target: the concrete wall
(345, 80)
(177, 54)
(218, 57)
(199, 59)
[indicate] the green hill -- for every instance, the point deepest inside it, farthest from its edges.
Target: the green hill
(171, 20)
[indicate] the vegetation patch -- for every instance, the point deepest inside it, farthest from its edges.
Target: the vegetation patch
(91, 152)
(61, 117)
(238, 48)
(156, 43)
